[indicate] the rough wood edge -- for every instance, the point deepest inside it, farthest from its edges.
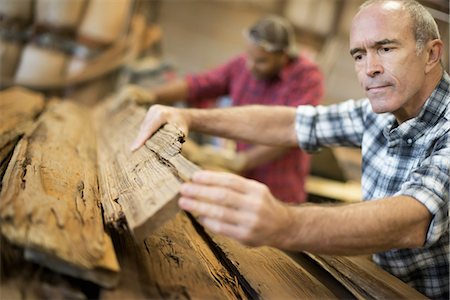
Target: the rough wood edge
(376, 283)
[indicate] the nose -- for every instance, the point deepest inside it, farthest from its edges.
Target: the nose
(373, 65)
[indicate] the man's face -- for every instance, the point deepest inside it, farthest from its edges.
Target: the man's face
(264, 65)
(383, 47)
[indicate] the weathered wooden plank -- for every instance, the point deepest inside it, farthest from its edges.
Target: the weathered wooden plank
(365, 279)
(174, 263)
(49, 203)
(18, 108)
(142, 186)
(272, 273)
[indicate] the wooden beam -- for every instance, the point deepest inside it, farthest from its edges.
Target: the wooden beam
(140, 187)
(50, 205)
(365, 279)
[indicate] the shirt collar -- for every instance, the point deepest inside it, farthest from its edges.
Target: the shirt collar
(431, 112)
(436, 104)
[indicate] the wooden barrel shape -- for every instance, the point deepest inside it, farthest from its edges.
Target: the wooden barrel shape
(59, 13)
(104, 22)
(9, 58)
(41, 67)
(16, 9)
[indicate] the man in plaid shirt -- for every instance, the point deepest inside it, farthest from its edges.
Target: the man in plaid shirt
(403, 128)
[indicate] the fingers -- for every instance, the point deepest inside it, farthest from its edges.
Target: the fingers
(225, 215)
(217, 195)
(232, 205)
(232, 230)
(157, 116)
(144, 97)
(152, 122)
(237, 224)
(225, 180)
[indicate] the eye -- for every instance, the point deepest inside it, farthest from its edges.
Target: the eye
(357, 57)
(385, 50)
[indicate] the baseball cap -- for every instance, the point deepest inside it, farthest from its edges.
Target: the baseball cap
(273, 34)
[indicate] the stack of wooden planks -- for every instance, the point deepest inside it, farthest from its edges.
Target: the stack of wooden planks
(72, 174)
(49, 201)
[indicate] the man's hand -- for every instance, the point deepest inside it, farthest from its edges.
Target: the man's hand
(156, 116)
(213, 158)
(240, 208)
(136, 94)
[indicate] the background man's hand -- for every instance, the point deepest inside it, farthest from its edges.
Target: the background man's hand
(156, 116)
(240, 208)
(212, 158)
(136, 94)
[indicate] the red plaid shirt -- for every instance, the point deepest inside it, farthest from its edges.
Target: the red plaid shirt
(300, 82)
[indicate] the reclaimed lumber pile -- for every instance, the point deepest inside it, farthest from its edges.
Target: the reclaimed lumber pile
(73, 164)
(49, 204)
(19, 108)
(142, 187)
(181, 260)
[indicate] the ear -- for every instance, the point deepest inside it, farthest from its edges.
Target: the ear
(434, 52)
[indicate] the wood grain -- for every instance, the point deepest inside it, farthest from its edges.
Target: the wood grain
(50, 205)
(365, 279)
(174, 263)
(272, 273)
(140, 187)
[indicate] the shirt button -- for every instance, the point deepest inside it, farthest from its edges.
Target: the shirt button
(409, 141)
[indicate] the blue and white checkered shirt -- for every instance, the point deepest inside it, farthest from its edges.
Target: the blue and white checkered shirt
(411, 159)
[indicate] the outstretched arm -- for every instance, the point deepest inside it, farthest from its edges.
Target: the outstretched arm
(259, 155)
(167, 93)
(170, 92)
(257, 124)
(246, 210)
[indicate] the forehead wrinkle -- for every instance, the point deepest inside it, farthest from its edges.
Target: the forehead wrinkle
(376, 44)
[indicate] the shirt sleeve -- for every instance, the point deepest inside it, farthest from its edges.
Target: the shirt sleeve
(210, 84)
(429, 183)
(335, 125)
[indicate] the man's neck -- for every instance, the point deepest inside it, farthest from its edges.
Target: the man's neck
(413, 110)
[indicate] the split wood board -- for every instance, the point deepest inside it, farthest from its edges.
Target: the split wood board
(365, 279)
(180, 261)
(271, 273)
(50, 205)
(173, 263)
(18, 109)
(141, 187)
